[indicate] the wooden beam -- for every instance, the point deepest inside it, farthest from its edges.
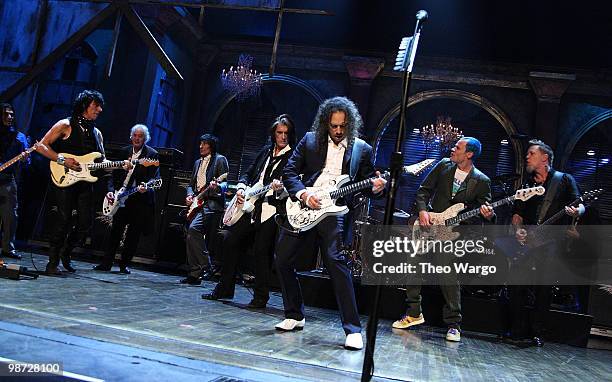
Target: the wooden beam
(279, 23)
(42, 26)
(58, 53)
(150, 41)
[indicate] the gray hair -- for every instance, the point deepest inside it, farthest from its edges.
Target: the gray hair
(144, 129)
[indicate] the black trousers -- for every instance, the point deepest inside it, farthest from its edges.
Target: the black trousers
(137, 216)
(330, 233)
(234, 238)
(69, 232)
(518, 322)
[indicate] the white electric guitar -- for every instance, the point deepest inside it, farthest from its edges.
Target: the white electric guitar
(234, 211)
(303, 218)
(110, 208)
(451, 216)
(62, 176)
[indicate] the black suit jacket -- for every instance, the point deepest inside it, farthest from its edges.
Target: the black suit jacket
(253, 173)
(308, 159)
(141, 174)
(435, 193)
(216, 167)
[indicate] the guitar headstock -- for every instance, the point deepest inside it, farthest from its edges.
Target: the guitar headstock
(525, 194)
(146, 162)
(591, 195)
(418, 168)
(222, 177)
(154, 183)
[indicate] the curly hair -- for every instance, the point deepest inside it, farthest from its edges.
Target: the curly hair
(353, 122)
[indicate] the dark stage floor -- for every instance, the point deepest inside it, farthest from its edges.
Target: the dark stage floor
(145, 326)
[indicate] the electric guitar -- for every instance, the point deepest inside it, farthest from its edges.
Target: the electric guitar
(303, 218)
(62, 176)
(19, 157)
(198, 202)
(109, 208)
(451, 216)
(234, 211)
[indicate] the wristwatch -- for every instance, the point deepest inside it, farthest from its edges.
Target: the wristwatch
(60, 159)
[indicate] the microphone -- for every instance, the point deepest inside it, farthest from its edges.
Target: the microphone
(422, 15)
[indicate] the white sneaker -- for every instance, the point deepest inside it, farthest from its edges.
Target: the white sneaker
(453, 334)
(288, 325)
(353, 341)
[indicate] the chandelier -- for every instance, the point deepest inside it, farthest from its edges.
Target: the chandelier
(442, 134)
(242, 81)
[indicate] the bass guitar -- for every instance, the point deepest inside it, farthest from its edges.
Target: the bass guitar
(303, 218)
(198, 201)
(109, 208)
(62, 176)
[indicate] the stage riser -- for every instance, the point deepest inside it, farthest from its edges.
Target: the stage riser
(479, 314)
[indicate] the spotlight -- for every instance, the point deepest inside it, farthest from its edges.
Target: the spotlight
(591, 153)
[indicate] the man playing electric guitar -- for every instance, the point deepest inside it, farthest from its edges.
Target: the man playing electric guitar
(266, 170)
(12, 143)
(561, 191)
(453, 180)
(206, 170)
(138, 213)
(332, 148)
(75, 135)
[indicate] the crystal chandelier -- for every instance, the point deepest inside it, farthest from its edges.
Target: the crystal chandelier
(242, 81)
(442, 134)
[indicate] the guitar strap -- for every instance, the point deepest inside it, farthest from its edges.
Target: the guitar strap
(551, 194)
(355, 157)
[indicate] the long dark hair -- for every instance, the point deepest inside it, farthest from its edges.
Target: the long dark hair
(83, 100)
(353, 122)
(283, 119)
(3, 106)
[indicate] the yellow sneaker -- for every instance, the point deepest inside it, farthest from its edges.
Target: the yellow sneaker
(407, 321)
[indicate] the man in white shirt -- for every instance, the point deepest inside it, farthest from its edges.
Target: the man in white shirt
(330, 149)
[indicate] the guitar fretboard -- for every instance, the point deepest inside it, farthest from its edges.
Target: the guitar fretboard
(12, 161)
(259, 191)
(466, 215)
(108, 165)
(352, 188)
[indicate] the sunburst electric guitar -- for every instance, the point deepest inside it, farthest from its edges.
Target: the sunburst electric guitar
(62, 176)
(303, 218)
(198, 201)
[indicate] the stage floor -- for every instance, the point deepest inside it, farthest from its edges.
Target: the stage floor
(146, 326)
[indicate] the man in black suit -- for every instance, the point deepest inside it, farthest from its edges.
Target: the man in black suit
(138, 213)
(453, 180)
(267, 169)
(206, 173)
(331, 149)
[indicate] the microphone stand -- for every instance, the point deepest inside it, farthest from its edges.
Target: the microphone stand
(396, 162)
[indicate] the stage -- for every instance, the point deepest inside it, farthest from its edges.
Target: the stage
(146, 326)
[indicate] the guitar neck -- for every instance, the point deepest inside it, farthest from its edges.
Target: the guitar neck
(259, 191)
(560, 213)
(15, 159)
(470, 214)
(355, 187)
(108, 165)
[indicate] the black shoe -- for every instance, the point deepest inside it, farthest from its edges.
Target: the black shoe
(68, 267)
(52, 271)
(537, 341)
(190, 280)
(12, 255)
(125, 270)
(257, 303)
(208, 275)
(216, 295)
(102, 267)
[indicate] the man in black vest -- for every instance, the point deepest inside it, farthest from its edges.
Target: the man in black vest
(12, 143)
(76, 135)
(206, 173)
(453, 180)
(331, 149)
(138, 213)
(561, 190)
(267, 169)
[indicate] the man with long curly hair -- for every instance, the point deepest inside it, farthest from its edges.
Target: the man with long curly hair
(330, 149)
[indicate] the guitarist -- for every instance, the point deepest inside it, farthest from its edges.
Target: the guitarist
(268, 167)
(561, 190)
(76, 135)
(210, 166)
(12, 143)
(138, 213)
(453, 180)
(332, 148)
